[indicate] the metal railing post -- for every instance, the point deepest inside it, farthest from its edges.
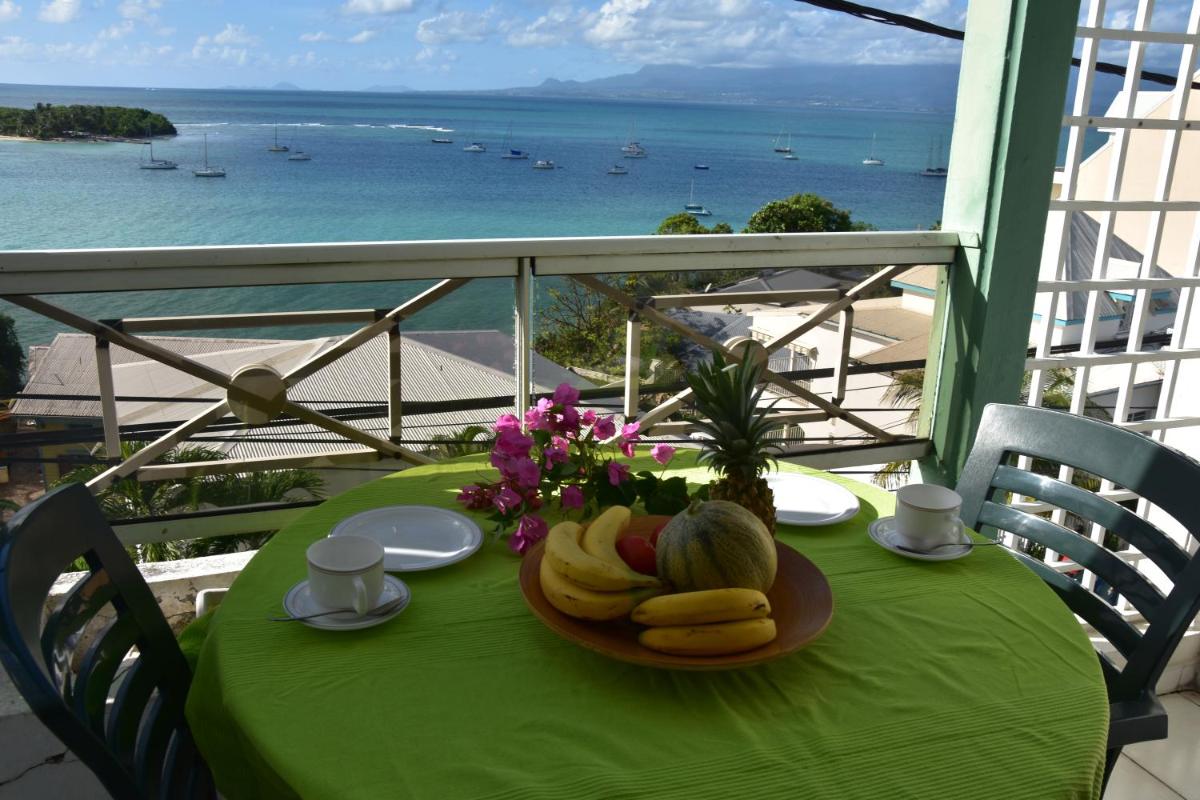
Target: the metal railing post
(395, 399)
(522, 285)
(633, 363)
(108, 401)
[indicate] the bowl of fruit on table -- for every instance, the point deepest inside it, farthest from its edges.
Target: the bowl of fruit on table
(707, 589)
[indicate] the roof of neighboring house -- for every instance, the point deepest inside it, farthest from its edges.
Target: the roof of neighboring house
(713, 324)
(922, 276)
(881, 316)
(1082, 235)
(359, 377)
(783, 280)
(915, 349)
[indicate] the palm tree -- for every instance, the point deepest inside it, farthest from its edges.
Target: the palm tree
(462, 443)
(129, 497)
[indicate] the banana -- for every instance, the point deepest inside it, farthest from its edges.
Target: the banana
(699, 608)
(568, 558)
(718, 639)
(577, 601)
(600, 538)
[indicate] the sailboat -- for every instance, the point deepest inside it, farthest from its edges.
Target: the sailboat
(299, 155)
(694, 208)
(934, 169)
(277, 147)
(208, 172)
(788, 155)
(632, 148)
(510, 151)
(617, 169)
(156, 163)
(871, 160)
(787, 148)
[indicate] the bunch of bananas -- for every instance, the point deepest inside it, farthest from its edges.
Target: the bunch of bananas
(582, 574)
(712, 622)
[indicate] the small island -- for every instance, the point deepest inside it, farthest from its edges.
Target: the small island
(51, 123)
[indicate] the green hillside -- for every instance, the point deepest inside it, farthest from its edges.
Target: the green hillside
(56, 122)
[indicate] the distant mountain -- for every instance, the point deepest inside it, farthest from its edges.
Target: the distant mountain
(397, 88)
(924, 87)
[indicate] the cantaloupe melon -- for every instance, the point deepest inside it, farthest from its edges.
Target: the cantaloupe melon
(716, 545)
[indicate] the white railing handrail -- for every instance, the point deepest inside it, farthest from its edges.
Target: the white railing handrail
(206, 266)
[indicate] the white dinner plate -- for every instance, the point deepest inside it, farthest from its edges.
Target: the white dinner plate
(807, 500)
(415, 537)
(299, 602)
(884, 533)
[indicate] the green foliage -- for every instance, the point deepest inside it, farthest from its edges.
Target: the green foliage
(801, 213)
(128, 497)
(737, 428)
(682, 224)
(48, 121)
(471, 439)
(12, 358)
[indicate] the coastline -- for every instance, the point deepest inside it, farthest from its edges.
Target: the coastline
(65, 139)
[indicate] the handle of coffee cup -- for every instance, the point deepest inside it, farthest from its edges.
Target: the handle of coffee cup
(362, 603)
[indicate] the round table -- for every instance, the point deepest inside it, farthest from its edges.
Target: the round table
(954, 679)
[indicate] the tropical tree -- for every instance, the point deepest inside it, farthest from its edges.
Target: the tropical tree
(684, 223)
(128, 497)
(12, 358)
(471, 439)
(802, 213)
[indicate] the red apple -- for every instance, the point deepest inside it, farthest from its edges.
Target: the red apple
(638, 553)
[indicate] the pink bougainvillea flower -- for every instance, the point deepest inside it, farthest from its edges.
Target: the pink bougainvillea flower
(662, 453)
(531, 530)
(558, 452)
(629, 431)
(569, 420)
(506, 500)
(475, 497)
(627, 448)
(507, 422)
(566, 395)
(527, 473)
(541, 417)
(512, 443)
(617, 473)
(572, 497)
(588, 417)
(605, 428)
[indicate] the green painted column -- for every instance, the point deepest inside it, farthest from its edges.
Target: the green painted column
(1011, 93)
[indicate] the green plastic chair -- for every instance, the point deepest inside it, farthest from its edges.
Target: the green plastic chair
(1165, 477)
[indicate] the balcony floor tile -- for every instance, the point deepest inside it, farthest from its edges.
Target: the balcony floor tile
(1175, 761)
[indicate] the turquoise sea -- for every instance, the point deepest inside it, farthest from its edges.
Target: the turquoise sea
(376, 175)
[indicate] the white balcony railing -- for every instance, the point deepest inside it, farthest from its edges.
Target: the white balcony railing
(31, 278)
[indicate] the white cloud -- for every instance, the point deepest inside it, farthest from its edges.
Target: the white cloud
(138, 9)
(554, 28)
(319, 36)
(456, 26)
(117, 31)
(75, 52)
(59, 11)
(309, 59)
(9, 10)
(220, 46)
(362, 37)
(376, 7)
(234, 34)
(15, 47)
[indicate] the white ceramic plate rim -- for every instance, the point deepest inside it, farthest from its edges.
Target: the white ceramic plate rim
(330, 623)
(808, 518)
(879, 529)
(391, 563)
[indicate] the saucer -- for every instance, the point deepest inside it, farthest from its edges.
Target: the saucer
(809, 500)
(415, 537)
(299, 602)
(884, 533)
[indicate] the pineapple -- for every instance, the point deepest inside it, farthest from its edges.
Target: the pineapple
(738, 449)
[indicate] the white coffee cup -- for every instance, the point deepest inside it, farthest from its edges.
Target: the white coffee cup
(346, 572)
(927, 514)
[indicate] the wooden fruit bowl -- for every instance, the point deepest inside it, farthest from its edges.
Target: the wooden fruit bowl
(801, 605)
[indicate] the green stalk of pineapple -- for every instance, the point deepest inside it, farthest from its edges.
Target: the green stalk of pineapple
(738, 449)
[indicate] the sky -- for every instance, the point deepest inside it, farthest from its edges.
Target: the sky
(452, 44)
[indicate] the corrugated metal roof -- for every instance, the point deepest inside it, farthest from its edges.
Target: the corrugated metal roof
(359, 377)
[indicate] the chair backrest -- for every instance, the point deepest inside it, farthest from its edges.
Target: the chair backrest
(1167, 478)
(127, 726)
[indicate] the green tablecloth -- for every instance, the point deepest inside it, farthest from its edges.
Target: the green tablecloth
(959, 679)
